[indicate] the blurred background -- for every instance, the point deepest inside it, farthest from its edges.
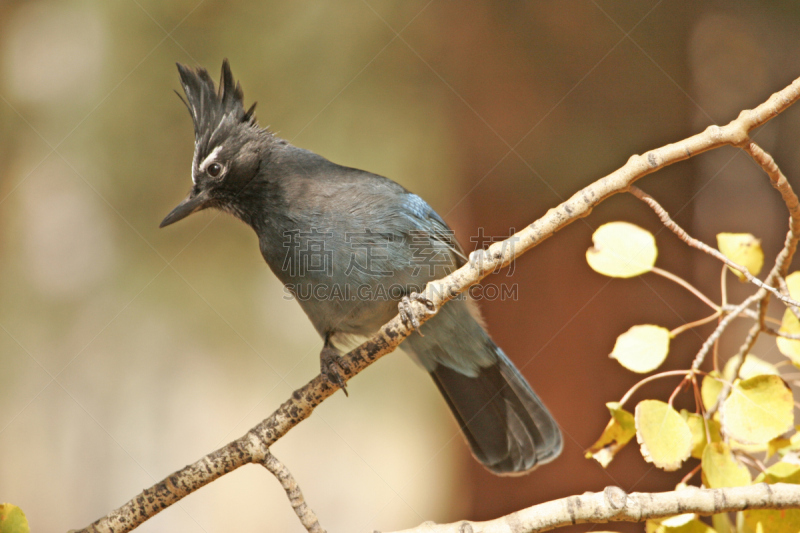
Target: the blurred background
(128, 351)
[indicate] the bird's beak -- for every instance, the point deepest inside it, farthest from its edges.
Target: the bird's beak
(194, 202)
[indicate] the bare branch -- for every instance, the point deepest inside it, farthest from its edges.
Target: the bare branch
(749, 342)
(780, 269)
(303, 511)
(253, 446)
(683, 283)
(771, 331)
(721, 327)
(695, 324)
(615, 505)
(783, 186)
(648, 379)
(694, 243)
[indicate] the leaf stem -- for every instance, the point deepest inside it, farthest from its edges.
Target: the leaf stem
(691, 474)
(648, 379)
(696, 323)
(686, 285)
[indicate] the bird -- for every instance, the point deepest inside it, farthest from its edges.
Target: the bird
(352, 248)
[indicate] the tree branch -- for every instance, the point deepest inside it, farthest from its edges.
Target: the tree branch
(253, 447)
(700, 245)
(307, 517)
(615, 505)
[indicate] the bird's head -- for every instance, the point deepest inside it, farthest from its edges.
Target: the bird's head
(229, 144)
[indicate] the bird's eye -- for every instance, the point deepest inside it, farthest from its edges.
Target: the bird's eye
(214, 169)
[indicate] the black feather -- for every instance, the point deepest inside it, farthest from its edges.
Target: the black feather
(211, 109)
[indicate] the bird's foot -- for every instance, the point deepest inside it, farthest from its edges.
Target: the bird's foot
(406, 309)
(334, 367)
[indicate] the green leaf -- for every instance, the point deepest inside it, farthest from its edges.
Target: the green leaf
(664, 436)
(721, 469)
(618, 432)
(642, 348)
(12, 519)
(622, 250)
(698, 428)
(758, 410)
(753, 366)
(710, 389)
(743, 249)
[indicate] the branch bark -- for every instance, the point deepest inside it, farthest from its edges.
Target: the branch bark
(307, 517)
(615, 505)
(253, 447)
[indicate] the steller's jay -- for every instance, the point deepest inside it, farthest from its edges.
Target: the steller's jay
(351, 247)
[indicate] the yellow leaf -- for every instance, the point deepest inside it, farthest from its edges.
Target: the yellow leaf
(793, 283)
(770, 521)
(721, 469)
(742, 249)
(664, 436)
(620, 429)
(752, 449)
(721, 523)
(780, 472)
(785, 521)
(698, 428)
(682, 523)
(622, 250)
(753, 366)
(788, 347)
(777, 445)
(758, 410)
(710, 389)
(642, 348)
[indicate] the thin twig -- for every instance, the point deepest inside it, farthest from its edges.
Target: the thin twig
(746, 313)
(721, 327)
(648, 379)
(779, 181)
(723, 290)
(726, 388)
(691, 474)
(791, 336)
(696, 323)
(723, 285)
(750, 459)
(782, 261)
(303, 511)
(685, 284)
(678, 389)
(694, 243)
(747, 345)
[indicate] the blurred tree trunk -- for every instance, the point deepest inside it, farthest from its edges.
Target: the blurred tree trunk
(573, 128)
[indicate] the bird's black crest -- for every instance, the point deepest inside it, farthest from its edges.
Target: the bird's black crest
(210, 107)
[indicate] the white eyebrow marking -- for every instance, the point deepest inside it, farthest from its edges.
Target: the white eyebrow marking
(210, 159)
(194, 157)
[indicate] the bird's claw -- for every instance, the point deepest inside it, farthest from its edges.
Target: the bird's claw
(406, 309)
(333, 366)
